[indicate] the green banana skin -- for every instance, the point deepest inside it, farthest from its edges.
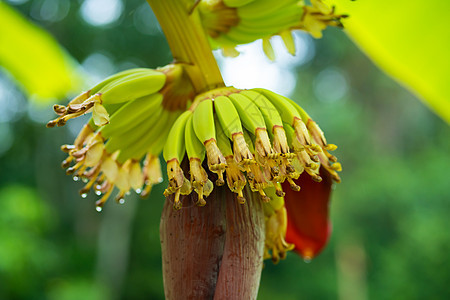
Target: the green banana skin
(237, 3)
(249, 113)
(227, 115)
(130, 113)
(261, 8)
(114, 77)
(155, 138)
(132, 87)
(203, 121)
(194, 147)
(131, 136)
(268, 110)
(175, 145)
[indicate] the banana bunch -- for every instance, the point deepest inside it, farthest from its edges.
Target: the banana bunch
(244, 136)
(132, 113)
(231, 22)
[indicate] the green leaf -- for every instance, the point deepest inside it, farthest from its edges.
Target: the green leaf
(34, 58)
(410, 40)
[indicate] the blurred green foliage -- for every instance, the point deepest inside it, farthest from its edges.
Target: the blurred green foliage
(390, 213)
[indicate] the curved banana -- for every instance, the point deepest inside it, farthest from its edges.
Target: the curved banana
(260, 8)
(235, 178)
(237, 3)
(129, 136)
(230, 121)
(174, 151)
(254, 122)
(96, 88)
(272, 119)
(203, 122)
(139, 108)
(291, 116)
(196, 154)
(132, 86)
(122, 89)
(152, 142)
(256, 175)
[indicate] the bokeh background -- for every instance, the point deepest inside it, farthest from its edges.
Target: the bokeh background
(391, 229)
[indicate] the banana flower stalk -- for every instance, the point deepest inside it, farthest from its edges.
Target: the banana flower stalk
(249, 171)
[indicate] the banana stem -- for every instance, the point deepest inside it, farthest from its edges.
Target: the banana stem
(187, 40)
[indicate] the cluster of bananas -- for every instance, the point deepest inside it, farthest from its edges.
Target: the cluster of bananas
(132, 112)
(234, 22)
(250, 136)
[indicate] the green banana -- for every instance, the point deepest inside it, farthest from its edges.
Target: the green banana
(174, 152)
(175, 148)
(291, 116)
(230, 121)
(237, 3)
(129, 136)
(130, 113)
(272, 119)
(196, 154)
(203, 122)
(260, 8)
(150, 143)
(235, 178)
(254, 122)
(96, 88)
(131, 87)
(277, 20)
(256, 177)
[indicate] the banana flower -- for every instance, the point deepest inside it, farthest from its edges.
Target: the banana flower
(249, 171)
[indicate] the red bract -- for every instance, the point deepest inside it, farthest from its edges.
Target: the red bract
(308, 214)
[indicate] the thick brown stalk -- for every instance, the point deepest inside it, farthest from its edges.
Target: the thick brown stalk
(215, 251)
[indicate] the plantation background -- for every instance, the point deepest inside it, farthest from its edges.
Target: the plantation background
(390, 236)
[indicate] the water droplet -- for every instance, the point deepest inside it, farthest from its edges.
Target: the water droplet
(98, 208)
(84, 195)
(85, 180)
(76, 178)
(98, 193)
(127, 193)
(138, 191)
(98, 186)
(121, 201)
(307, 259)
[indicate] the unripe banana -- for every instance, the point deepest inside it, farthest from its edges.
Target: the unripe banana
(175, 148)
(237, 3)
(291, 116)
(315, 131)
(253, 121)
(203, 121)
(280, 143)
(130, 113)
(132, 86)
(261, 8)
(235, 178)
(196, 154)
(129, 136)
(272, 119)
(173, 153)
(230, 121)
(95, 89)
(256, 177)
